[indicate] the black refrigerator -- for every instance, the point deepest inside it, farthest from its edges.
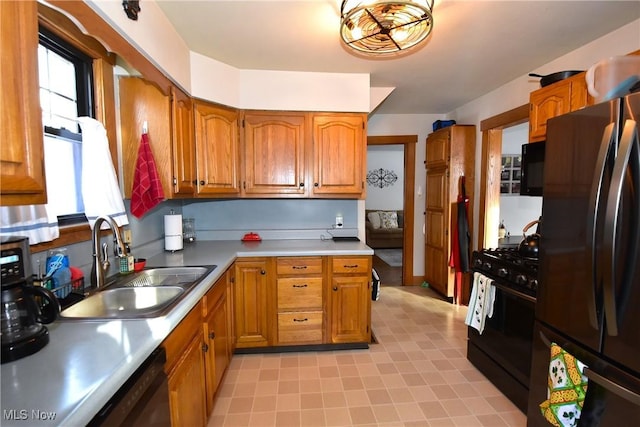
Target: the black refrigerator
(588, 298)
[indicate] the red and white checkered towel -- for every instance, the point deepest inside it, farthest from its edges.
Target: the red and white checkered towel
(147, 189)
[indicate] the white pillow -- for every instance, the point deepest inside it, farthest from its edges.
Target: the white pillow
(374, 219)
(388, 219)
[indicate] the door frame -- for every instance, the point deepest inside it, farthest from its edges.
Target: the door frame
(490, 172)
(409, 142)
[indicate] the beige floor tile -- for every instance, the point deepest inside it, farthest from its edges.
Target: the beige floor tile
(417, 375)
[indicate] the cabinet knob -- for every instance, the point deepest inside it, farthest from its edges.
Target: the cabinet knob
(316, 185)
(194, 182)
(205, 347)
(212, 335)
(202, 182)
(301, 184)
(263, 272)
(335, 288)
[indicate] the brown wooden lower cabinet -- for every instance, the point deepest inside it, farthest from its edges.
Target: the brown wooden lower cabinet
(187, 387)
(350, 299)
(251, 304)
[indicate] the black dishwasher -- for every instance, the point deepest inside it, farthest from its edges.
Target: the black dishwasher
(143, 400)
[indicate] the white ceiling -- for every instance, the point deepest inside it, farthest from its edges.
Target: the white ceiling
(475, 47)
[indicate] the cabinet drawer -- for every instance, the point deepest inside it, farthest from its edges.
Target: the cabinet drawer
(351, 265)
(299, 293)
(300, 327)
(299, 265)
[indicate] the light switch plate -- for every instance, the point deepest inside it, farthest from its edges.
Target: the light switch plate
(126, 236)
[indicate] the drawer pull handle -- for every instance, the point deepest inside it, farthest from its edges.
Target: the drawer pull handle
(301, 320)
(300, 286)
(351, 266)
(299, 267)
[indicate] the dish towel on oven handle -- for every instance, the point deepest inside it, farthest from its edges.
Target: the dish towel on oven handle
(147, 189)
(567, 387)
(483, 295)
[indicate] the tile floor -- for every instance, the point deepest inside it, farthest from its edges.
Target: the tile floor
(416, 375)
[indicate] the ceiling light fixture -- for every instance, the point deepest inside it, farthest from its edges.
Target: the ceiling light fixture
(385, 27)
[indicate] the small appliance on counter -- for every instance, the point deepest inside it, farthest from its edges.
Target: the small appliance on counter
(173, 232)
(23, 331)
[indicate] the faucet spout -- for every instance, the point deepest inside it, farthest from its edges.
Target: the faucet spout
(98, 273)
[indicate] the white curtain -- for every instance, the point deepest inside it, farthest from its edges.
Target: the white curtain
(100, 190)
(32, 221)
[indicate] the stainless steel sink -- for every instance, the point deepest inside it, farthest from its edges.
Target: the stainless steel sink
(148, 293)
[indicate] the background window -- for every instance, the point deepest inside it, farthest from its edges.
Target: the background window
(65, 94)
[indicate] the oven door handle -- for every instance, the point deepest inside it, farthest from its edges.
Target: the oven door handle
(514, 292)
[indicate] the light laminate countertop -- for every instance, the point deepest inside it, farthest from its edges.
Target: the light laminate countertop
(86, 362)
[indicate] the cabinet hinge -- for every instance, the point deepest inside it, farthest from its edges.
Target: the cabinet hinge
(242, 122)
(447, 174)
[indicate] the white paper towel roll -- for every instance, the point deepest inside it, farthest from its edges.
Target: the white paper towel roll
(173, 232)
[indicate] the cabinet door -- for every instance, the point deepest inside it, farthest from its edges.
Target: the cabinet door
(350, 305)
(437, 230)
(217, 353)
(141, 101)
(217, 150)
(22, 147)
(339, 153)
(580, 96)
(183, 145)
(251, 300)
(437, 154)
(545, 103)
(187, 387)
(274, 154)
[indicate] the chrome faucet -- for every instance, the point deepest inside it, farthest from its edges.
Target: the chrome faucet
(100, 267)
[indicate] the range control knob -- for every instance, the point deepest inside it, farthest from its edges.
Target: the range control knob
(478, 263)
(503, 272)
(487, 266)
(533, 284)
(521, 279)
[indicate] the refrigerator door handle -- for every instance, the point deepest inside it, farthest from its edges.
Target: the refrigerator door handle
(592, 220)
(628, 142)
(614, 388)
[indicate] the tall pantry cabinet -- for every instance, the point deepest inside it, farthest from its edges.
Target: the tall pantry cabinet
(450, 155)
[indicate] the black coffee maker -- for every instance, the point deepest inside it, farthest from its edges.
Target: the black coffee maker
(23, 331)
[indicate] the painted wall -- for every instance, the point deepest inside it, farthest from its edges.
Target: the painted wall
(388, 158)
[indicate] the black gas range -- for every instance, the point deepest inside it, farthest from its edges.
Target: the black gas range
(502, 352)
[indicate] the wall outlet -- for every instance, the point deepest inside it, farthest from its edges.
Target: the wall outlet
(126, 236)
(339, 221)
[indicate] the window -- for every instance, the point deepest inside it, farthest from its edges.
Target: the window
(66, 83)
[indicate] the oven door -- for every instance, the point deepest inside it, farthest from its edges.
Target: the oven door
(504, 347)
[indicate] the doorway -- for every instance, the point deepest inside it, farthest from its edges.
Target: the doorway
(409, 142)
(491, 169)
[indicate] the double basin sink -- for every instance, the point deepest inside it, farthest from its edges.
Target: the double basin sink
(147, 293)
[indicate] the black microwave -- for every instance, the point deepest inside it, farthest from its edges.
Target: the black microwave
(532, 169)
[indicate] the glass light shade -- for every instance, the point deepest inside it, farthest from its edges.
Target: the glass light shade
(385, 27)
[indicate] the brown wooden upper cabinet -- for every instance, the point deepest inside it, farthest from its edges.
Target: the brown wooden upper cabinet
(140, 102)
(183, 144)
(554, 100)
(217, 150)
(22, 149)
(275, 153)
(339, 155)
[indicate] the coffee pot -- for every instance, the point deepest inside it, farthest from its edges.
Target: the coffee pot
(24, 308)
(22, 318)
